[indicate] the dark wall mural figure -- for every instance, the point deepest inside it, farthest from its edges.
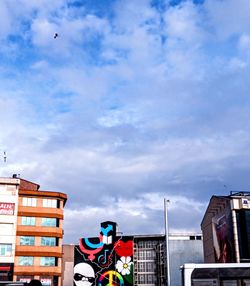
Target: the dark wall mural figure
(223, 237)
(104, 260)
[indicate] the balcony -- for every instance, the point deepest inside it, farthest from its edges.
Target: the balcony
(37, 270)
(28, 250)
(39, 231)
(40, 212)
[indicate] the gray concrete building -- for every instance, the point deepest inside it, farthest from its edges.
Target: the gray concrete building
(183, 248)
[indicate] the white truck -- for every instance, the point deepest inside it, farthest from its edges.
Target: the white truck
(216, 274)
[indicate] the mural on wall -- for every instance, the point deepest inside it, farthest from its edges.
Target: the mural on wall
(223, 237)
(104, 260)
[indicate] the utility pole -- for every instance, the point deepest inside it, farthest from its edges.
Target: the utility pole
(167, 242)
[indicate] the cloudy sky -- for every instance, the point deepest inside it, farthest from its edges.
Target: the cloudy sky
(134, 101)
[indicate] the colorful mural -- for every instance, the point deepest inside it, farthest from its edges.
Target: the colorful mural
(222, 227)
(104, 260)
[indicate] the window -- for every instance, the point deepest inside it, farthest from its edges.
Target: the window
(6, 228)
(150, 279)
(5, 249)
(243, 226)
(47, 261)
(49, 203)
(141, 244)
(48, 241)
(29, 202)
(27, 240)
(27, 220)
(141, 278)
(150, 266)
(46, 221)
(147, 244)
(26, 260)
(150, 254)
(141, 267)
(141, 255)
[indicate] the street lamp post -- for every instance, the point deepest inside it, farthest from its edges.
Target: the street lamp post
(167, 241)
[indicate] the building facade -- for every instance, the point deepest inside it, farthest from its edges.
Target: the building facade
(150, 257)
(138, 260)
(8, 226)
(32, 224)
(149, 260)
(184, 248)
(226, 229)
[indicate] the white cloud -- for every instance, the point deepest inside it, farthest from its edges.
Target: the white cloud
(236, 64)
(129, 15)
(244, 42)
(228, 18)
(138, 211)
(40, 65)
(5, 20)
(119, 112)
(43, 32)
(244, 46)
(183, 23)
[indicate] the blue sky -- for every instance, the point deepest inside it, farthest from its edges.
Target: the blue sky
(133, 102)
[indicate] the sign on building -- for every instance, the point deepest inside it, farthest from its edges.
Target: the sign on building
(7, 208)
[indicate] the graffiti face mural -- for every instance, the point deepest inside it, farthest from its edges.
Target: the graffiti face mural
(84, 275)
(104, 260)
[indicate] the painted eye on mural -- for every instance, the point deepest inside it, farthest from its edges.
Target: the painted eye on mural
(80, 277)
